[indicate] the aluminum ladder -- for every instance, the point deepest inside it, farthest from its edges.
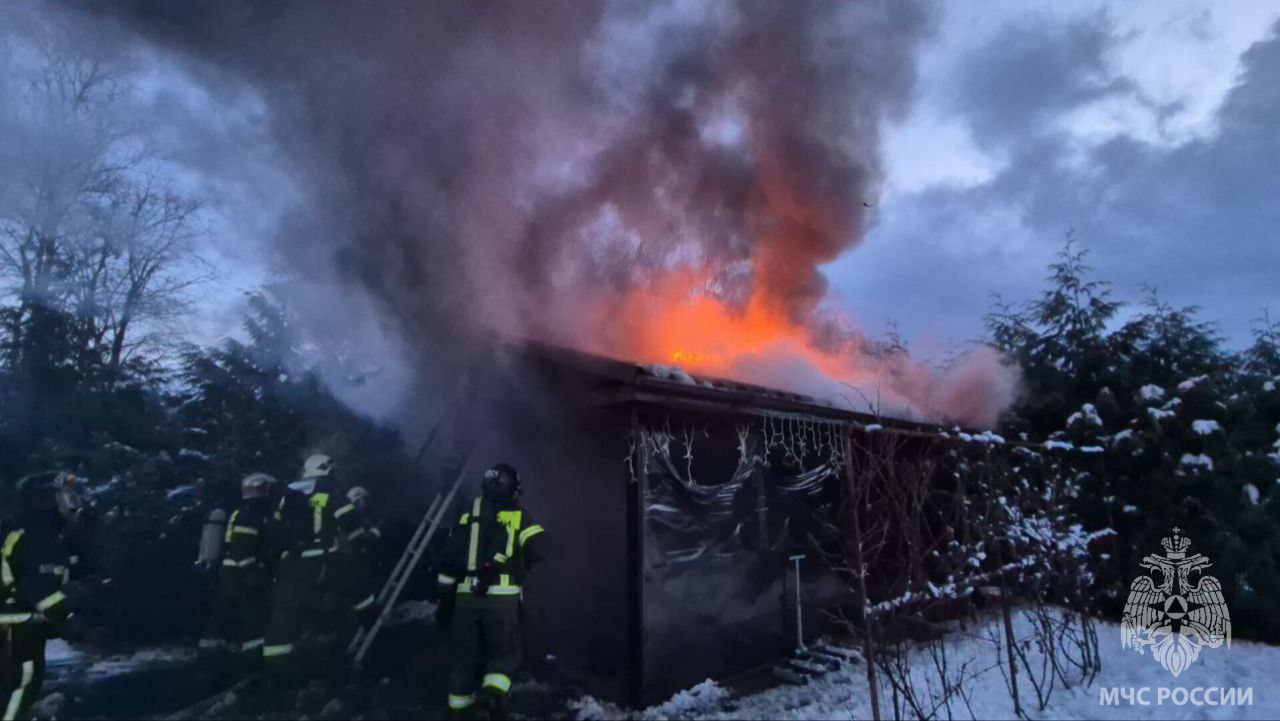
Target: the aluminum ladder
(421, 539)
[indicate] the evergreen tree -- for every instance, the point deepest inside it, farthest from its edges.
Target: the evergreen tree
(1263, 357)
(1059, 340)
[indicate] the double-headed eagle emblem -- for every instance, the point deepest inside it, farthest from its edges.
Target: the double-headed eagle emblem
(1177, 616)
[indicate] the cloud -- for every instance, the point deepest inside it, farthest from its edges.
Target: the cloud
(1025, 77)
(1195, 215)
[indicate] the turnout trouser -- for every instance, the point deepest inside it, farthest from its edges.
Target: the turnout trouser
(240, 613)
(484, 648)
(351, 590)
(296, 604)
(21, 667)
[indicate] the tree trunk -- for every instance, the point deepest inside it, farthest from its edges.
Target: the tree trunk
(868, 643)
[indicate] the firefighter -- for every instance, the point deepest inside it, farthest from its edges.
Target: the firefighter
(240, 610)
(305, 531)
(35, 605)
(352, 593)
(489, 554)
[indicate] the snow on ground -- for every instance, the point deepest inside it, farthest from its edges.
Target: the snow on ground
(131, 663)
(412, 612)
(59, 653)
(843, 694)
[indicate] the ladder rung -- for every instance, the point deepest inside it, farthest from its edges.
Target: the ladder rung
(410, 559)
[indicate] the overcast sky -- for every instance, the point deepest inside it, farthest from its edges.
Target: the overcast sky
(1147, 128)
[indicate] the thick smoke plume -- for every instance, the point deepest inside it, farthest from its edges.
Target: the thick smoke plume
(660, 181)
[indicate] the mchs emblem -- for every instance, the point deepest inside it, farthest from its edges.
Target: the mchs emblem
(1178, 614)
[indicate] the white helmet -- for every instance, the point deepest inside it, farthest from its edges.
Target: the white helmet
(357, 494)
(255, 484)
(317, 466)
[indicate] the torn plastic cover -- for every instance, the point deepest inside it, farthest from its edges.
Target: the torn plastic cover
(782, 472)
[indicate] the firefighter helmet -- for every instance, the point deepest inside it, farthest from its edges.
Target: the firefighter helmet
(357, 494)
(256, 485)
(501, 483)
(317, 466)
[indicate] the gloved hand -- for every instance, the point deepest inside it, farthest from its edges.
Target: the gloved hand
(486, 575)
(444, 610)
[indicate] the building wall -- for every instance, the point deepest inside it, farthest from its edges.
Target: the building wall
(721, 521)
(713, 533)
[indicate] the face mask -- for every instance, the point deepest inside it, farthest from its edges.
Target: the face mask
(308, 486)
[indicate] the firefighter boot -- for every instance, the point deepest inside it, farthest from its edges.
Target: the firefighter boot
(493, 703)
(464, 707)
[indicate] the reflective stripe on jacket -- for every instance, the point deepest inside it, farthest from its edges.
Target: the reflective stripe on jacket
(499, 537)
(34, 570)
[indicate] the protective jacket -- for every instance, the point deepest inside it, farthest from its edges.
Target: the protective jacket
(491, 550)
(35, 567)
(306, 527)
(247, 543)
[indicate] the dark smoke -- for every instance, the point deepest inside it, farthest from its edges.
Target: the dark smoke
(525, 166)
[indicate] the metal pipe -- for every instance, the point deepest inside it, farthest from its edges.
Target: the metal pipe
(799, 612)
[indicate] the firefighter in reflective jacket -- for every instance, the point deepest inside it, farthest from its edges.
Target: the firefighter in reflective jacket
(489, 553)
(351, 577)
(243, 603)
(305, 529)
(35, 566)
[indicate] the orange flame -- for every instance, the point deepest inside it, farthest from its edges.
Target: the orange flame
(675, 319)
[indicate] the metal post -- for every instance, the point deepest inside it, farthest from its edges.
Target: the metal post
(635, 489)
(799, 612)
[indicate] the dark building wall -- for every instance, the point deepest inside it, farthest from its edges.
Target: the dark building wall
(718, 533)
(713, 593)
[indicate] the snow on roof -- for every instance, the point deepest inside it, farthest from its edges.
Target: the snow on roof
(669, 373)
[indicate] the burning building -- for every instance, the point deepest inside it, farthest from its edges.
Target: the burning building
(675, 506)
(634, 180)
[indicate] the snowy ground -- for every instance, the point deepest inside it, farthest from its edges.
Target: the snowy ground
(843, 694)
